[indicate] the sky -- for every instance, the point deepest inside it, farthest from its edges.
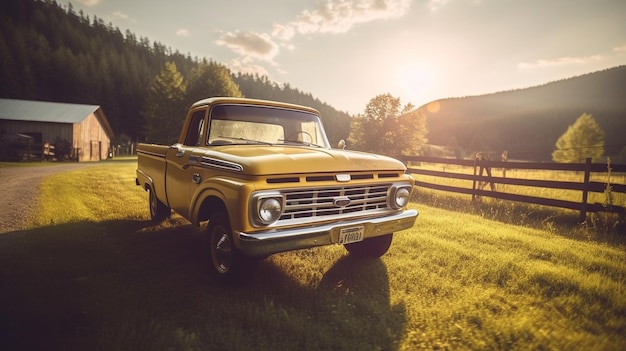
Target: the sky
(346, 52)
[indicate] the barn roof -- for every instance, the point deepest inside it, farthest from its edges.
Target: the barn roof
(41, 111)
(54, 112)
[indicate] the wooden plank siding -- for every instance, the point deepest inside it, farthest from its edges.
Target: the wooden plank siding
(90, 140)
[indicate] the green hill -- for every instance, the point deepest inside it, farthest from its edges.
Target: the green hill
(527, 122)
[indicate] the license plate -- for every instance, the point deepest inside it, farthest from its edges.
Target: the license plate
(351, 235)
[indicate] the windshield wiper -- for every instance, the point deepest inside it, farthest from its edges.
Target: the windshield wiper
(246, 141)
(299, 142)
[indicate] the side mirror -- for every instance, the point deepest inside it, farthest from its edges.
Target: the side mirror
(342, 144)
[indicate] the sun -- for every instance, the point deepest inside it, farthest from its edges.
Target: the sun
(414, 80)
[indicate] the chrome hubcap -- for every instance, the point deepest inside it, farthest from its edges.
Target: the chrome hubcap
(222, 251)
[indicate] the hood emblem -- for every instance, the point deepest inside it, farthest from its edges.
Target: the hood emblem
(341, 201)
(342, 177)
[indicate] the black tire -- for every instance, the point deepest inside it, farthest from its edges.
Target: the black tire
(227, 262)
(372, 247)
(158, 210)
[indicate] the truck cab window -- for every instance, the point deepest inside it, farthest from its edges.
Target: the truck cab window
(196, 129)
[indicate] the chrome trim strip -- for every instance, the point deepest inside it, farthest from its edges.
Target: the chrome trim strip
(221, 164)
(150, 153)
(274, 241)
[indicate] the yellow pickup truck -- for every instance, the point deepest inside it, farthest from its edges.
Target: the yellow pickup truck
(264, 177)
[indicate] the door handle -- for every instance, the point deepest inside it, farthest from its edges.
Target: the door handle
(180, 152)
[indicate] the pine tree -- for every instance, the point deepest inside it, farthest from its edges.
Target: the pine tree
(583, 139)
(211, 79)
(164, 109)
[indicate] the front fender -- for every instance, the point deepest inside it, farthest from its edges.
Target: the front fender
(199, 198)
(233, 195)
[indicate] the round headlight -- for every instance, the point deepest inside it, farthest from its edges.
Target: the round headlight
(270, 210)
(402, 197)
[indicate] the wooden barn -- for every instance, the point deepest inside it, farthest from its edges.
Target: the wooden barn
(75, 132)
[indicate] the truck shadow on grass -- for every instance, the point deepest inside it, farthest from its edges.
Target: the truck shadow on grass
(127, 285)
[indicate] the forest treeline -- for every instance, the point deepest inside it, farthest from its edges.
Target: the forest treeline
(52, 53)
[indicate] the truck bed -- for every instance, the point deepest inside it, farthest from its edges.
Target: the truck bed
(151, 168)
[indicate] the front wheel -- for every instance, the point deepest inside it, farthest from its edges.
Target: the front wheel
(227, 262)
(372, 247)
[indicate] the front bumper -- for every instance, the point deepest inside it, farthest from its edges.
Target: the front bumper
(271, 242)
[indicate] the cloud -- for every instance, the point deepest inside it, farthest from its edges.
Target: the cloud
(336, 16)
(244, 66)
(182, 32)
(120, 15)
(620, 49)
(328, 17)
(284, 32)
(435, 5)
(561, 61)
(89, 3)
(569, 60)
(250, 45)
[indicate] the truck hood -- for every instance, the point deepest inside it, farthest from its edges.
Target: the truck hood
(271, 160)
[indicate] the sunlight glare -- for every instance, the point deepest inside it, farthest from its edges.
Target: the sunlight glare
(414, 79)
(433, 107)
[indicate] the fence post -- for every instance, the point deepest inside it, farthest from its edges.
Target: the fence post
(474, 178)
(505, 157)
(583, 207)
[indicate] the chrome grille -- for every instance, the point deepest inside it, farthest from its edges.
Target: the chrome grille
(314, 203)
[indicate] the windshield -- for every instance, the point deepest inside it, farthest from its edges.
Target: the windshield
(250, 124)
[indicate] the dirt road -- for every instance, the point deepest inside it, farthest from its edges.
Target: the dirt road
(19, 193)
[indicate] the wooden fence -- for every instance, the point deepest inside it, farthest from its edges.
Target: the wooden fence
(483, 175)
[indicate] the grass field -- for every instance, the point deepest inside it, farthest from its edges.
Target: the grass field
(601, 226)
(94, 274)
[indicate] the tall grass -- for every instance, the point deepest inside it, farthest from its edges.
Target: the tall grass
(95, 274)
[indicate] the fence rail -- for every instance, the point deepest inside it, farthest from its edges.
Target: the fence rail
(484, 166)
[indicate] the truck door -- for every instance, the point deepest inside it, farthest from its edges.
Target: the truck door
(179, 174)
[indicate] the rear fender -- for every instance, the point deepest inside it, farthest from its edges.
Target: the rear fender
(144, 180)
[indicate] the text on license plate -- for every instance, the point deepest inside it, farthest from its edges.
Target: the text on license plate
(351, 235)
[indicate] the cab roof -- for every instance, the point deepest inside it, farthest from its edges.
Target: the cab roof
(247, 101)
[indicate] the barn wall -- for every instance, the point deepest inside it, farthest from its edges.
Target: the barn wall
(91, 139)
(49, 131)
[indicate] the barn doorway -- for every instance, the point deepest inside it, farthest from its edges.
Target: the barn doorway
(95, 150)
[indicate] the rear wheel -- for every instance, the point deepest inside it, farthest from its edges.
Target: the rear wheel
(372, 247)
(158, 210)
(227, 262)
